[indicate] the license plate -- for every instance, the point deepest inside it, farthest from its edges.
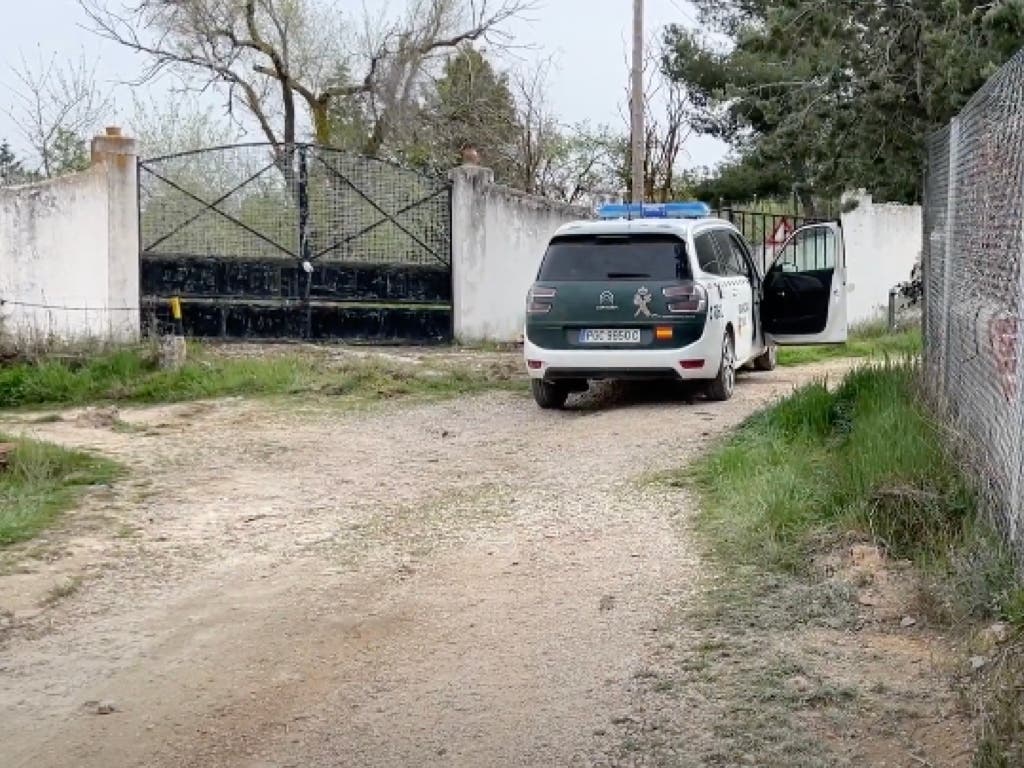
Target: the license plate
(610, 336)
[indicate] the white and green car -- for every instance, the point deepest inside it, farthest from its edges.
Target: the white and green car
(666, 291)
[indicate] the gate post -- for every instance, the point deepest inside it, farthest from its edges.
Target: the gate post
(305, 247)
(118, 155)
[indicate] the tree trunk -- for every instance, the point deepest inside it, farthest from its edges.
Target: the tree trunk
(321, 123)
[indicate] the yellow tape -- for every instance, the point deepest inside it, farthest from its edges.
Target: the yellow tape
(176, 308)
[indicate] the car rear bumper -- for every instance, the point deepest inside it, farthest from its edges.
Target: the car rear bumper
(700, 360)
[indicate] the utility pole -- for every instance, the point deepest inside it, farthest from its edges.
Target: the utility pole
(637, 102)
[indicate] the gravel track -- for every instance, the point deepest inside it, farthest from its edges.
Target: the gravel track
(466, 583)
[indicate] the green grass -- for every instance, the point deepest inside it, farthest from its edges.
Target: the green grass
(864, 457)
(132, 376)
(865, 460)
(866, 342)
(41, 482)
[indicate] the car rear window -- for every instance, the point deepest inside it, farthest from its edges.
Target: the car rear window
(615, 257)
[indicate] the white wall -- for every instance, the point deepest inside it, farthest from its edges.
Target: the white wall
(69, 253)
(883, 242)
(498, 238)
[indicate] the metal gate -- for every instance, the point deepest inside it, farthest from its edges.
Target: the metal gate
(765, 231)
(263, 241)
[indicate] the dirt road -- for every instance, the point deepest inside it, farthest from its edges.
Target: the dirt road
(467, 583)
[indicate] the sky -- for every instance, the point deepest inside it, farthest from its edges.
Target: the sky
(588, 40)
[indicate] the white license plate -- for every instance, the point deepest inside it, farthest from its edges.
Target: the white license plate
(610, 336)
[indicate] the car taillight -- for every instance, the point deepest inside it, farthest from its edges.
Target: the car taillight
(685, 298)
(540, 299)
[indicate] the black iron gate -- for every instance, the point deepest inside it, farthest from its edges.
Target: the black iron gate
(296, 242)
(764, 230)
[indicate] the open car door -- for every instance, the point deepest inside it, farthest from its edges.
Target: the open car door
(804, 299)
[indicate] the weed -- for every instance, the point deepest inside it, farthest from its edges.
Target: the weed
(41, 482)
(133, 376)
(864, 459)
(63, 590)
(866, 342)
(1002, 728)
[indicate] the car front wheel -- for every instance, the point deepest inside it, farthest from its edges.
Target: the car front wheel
(724, 384)
(548, 395)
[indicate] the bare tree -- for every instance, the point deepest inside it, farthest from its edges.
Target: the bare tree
(277, 57)
(179, 123)
(666, 129)
(57, 106)
(568, 163)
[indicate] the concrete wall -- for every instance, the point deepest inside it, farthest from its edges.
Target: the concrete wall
(883, 242)
(498, 238)
(69, 253)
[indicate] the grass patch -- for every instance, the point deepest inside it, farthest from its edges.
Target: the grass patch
(41, 482)
(870, 341)
(865, 459)
(133, 376)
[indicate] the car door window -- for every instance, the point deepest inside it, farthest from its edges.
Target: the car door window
(742, 253)
(812, 250)
(731, 260)
(707, 255)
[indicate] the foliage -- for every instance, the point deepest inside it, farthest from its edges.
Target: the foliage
(832, 96)
(41, 482)
(472, 105)
(872, 341)
(67, 153)
(132, 376)
(868, 459)
(865, 457)
(58, 105)
(180, 123)
(740, 180)
(283, 62)
(12, 170)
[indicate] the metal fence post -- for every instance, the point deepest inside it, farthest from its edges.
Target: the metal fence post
(948, 251)
(305, 247)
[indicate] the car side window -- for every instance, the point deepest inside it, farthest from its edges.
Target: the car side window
(707, 255)
(811, 249)
(742, 253)
(732, 261)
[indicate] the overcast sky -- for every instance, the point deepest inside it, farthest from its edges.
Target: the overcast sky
(588, 38)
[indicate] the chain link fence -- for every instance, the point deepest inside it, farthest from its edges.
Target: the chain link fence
(974, 287)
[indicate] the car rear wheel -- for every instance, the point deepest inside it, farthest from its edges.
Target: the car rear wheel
(724, 384)
(767, 360)
(549, 395)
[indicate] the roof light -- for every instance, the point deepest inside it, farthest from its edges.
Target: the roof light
(681, 210)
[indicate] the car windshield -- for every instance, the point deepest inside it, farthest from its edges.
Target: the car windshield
(615, 257)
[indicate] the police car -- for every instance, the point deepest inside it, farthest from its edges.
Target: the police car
(666, 291)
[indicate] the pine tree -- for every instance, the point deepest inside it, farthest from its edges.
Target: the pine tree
(832, 96)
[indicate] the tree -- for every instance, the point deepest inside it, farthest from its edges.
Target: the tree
(57, 106)
(741, 179)
(12, 171)
(279, 59)
(666, 129)
(472, 104)
(830, 96)
(180, 123)
(561, 162)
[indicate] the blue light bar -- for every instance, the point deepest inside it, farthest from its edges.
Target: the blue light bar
(687, 210)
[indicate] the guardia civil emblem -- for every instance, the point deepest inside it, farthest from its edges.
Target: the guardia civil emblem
(642, 302)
